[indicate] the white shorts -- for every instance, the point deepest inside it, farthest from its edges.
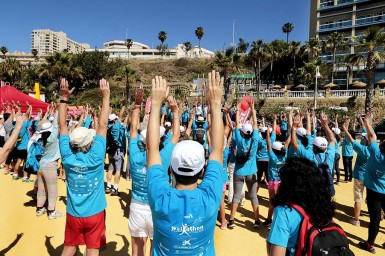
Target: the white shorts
(140, 220)
(358, 189)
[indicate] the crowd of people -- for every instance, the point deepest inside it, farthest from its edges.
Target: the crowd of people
(184, 160)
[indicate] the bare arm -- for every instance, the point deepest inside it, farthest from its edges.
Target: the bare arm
(134, 123)
(64, 96)
(191, 119)
(274, 123)
(308, 123)
(294, 142)
(328, 131)
(29, 111)
(84, 113)
(268, 141)
(237, 116)
(9, 144)
(175, 122)
(345, 127)
(369, 128)
(103, 116)
(254, 115)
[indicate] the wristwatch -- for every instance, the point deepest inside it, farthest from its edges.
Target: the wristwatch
(64, 101)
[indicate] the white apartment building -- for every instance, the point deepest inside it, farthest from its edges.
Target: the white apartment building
(46, 41)
(118, 49)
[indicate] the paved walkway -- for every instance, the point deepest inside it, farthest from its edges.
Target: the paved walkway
(24, 234)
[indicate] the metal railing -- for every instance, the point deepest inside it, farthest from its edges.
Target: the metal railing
(310, 94)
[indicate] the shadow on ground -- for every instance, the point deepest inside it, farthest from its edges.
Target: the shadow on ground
(11, 245)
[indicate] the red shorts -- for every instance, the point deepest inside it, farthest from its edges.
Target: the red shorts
(90, 231)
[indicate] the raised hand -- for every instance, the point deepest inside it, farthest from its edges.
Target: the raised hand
(159, 91)
(215, 88)
(104, 88)
(64, 91)
(324, 119)
(172, 104)
(345, 126)
(296, 121)
(19, 121)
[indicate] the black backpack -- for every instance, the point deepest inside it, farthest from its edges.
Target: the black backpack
(200, 133)
(320, 240)
(245, 158)
(326, 172)
(111, 144)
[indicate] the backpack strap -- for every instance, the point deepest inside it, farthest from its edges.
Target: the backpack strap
(318, 158)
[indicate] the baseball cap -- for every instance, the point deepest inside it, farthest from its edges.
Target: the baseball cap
(143, 134)
(190, 155)
(364, 134)
(82, 136)
(201, 119)
(247, 128)
(45, 126)
(167, 124)
(336, 130)
(301, 132)
(51, 118)
(112, 117)
(277, 145)
(264, 129)
(320, 142)
(182, 129)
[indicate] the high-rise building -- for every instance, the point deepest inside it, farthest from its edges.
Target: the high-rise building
(46, 41)
(350, 18)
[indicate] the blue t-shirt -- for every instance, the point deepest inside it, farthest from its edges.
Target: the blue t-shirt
(275, 164)
(231, 151)
(194, 128)
(284, 126)
(24, 136)
(85, 177)
(185, 116)
(347, 147)
(243, 147)
(184, 220)
(118, 133)
(375, 169)
(87, 122)
(138, 169)
(262, 154)
(338, 151)
(225, 175)
(361, 161)
(285, 228)
(292, 153)
(309, 154)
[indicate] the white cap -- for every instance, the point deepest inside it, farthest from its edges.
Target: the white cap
(337, 131)
(201, 119)
(301, 132)
(112, 117)
(190, 155)
(320, 142)
(277, 145)
(45, 127)
(1, 116)
(182, 129)
(143, 134)
(364, 134)
(82, 136)
(247, 128)
(167, 124)
(51, 118)
(264, 129)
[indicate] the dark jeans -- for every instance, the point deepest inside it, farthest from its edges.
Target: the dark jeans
(337, 166)
(375, 202)
(348, 167)
(262, 168)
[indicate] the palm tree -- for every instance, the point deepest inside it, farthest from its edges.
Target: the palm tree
(199, 32)
(35, 52)
(227, 62)
(272, 53)
(351, 61)
(242, 46)
(255, 57)
(162, 36)
(4, 51)
(129, 44)
(313, 48)
(335, 42)
(187, 47)
(128, 74)
(287, 28)
(294, 50)
(11, 71)
(369, 42)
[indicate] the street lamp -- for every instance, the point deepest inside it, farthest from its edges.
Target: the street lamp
(317, 75)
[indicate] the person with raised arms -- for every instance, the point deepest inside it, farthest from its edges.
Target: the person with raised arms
(83, 153)
(184, 217)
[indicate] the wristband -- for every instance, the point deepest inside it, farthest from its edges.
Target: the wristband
(294, 129)
(137, 106)
(64, 101)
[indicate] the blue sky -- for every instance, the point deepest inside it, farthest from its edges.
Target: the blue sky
(96, 21)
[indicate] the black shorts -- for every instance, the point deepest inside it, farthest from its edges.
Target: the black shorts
(2, 141)
(16, 154)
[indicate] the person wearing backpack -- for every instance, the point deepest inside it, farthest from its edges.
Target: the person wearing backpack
(246, 138)
(199, 127)
(323, 151)
(303, 210)
(47, 174)
(374, 181)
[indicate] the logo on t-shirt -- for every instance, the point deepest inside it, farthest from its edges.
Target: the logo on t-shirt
(187, 229)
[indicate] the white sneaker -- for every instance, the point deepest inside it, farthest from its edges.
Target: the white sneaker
(355, 222)
(54, 215)
(41, 211)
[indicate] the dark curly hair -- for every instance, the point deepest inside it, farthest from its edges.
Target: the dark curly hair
(303, 184)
